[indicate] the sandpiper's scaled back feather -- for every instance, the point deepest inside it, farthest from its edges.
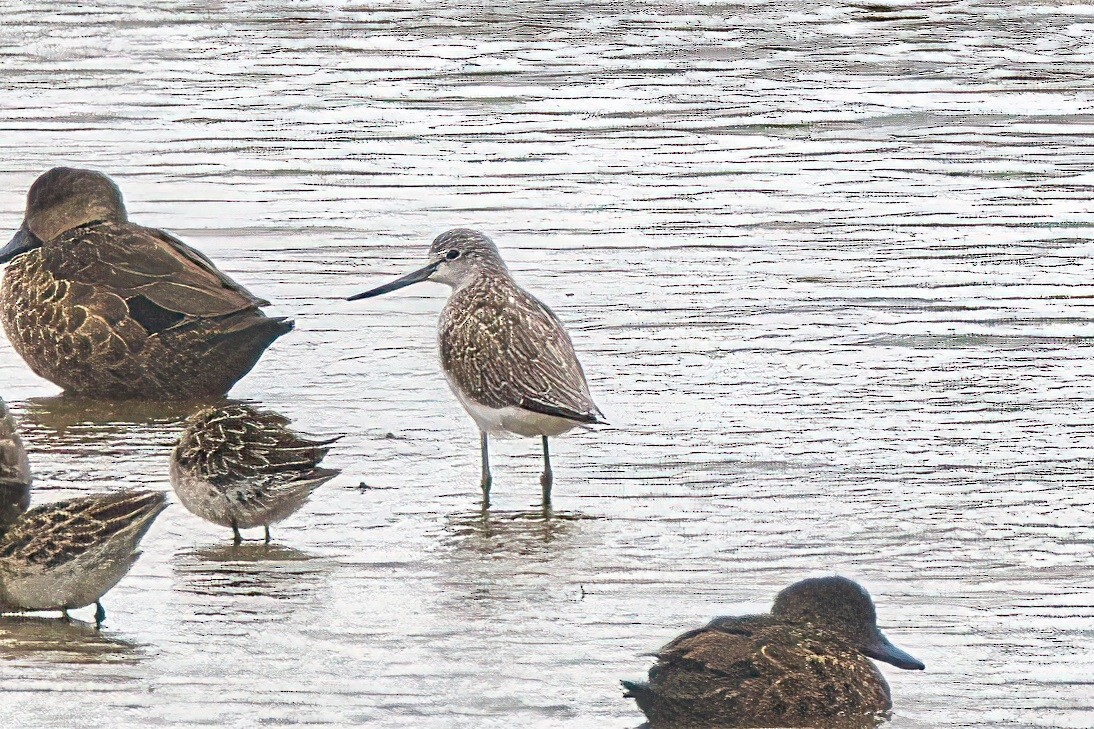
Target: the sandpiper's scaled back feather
(15, 478)
(69, 553)
(241, 467)
(805, 664)
(107, 308)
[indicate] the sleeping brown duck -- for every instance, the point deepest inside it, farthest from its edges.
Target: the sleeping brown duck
(107, 308)
(804, 664)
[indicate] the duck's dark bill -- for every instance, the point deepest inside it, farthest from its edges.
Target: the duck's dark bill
(23, 241)
(883, 650)
(420, 275)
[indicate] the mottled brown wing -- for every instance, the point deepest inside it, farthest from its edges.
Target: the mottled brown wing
(711, 650)
(202, 261)
(744, 626)
(783, 674)
(163, 281)
(225, 444)
(698, 680)
(506, 349)
(51, 535)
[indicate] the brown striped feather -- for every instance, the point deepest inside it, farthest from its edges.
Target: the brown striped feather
(229, 443)
(505, 348)
(48, 536)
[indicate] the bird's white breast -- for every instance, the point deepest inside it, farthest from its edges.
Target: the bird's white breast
(511, 420)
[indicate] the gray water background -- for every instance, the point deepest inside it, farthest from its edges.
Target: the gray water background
(827, 267)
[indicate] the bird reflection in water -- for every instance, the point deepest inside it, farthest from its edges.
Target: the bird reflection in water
(59, 413)
(250, 569)
(494, 559)
(80, 427)
(60, 641)
(516, 532)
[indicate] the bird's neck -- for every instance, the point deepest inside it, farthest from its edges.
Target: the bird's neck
(485, 279)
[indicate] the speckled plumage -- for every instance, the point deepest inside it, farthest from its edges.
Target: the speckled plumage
(506, 356)
(802, 665)
(240, 467)
(107, 308)
(69, 553)
(15, 478)
(758, 675)
(501, 347)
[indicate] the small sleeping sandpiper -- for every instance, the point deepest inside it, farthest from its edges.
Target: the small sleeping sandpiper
(506, 356)
(69, 553)
(241, 468)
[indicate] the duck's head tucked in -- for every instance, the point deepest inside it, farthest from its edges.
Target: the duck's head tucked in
(844, 608)
(63, 199)
(456, 258)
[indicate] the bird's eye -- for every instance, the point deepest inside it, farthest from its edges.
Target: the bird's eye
(452, 255)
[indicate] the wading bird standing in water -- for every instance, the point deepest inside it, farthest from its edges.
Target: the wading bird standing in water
(506, 356)
(241, 467)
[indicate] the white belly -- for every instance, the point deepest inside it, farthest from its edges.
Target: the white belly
(512, 420)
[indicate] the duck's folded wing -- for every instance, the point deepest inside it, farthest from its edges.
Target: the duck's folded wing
(729, 654)
(698, 680)
(203, 262)
(509, 350)
(157, 274)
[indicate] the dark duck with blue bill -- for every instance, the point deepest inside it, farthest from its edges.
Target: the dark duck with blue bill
(804, 664)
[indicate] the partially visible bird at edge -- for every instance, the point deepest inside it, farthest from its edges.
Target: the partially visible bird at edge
(15, 476)
(66, 554)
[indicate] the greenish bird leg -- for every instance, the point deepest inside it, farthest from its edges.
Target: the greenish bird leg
(548, 477)
(487, 479)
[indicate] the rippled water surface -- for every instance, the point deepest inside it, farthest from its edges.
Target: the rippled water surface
(828, 269)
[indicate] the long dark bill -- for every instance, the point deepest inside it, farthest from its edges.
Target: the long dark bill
(411, 278)
(23, 241)
(883, 650)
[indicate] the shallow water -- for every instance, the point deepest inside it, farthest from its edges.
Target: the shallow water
(827, 267)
